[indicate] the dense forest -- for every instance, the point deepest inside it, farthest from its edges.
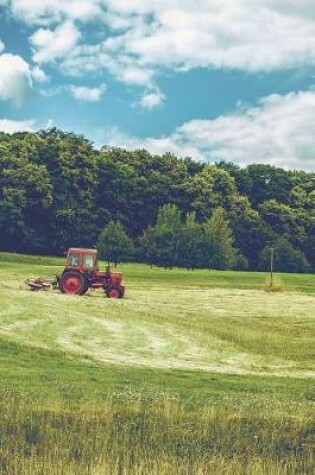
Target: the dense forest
(57, 190)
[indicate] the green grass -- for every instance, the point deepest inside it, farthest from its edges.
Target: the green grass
(193, 372)
(147, 276)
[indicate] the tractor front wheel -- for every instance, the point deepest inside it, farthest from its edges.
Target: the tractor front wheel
(114, 292)
(73, 283)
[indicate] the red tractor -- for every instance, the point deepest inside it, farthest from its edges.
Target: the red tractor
(81, 273)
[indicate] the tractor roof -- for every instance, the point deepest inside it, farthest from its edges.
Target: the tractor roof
(82, 250)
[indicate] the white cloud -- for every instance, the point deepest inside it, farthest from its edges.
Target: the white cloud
(88, 94)
(151, 100)
(11, 126)
(1, 46)
(221, 34)
(15, 79)
(47, 12)
(156, 145)
(50, 45)
(279, 131)
(39, 75)
(218, 33)
(131, 74)
(138, 39)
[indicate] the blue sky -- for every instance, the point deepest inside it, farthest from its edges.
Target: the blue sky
(209, 79)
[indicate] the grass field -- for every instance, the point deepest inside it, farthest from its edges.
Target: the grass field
(192, 373)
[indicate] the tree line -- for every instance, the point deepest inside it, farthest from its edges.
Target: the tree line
(57, 191)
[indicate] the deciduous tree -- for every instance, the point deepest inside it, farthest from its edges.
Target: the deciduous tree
(114, 244)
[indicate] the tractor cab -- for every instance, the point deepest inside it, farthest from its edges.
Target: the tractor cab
(81, 273)
(83, 260)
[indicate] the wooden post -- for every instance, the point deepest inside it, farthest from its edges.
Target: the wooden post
(272, 255)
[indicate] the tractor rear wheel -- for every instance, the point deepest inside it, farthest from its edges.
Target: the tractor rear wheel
(114, 292)
(73, 283)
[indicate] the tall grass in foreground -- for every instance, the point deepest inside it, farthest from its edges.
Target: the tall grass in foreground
(155, 434)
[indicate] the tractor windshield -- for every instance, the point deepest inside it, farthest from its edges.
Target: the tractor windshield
(88, 262)
(74, 260)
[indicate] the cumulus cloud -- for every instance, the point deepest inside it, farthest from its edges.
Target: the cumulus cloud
(139, 39)
(1, 46)
(151, 100)
(279, 131)
(218, 33)
(11, 126)
(50, 45)
(15, 79)
(39, 75)
(88, 94)
(47, 12)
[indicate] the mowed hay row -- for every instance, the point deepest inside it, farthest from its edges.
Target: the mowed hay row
(231, 331)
